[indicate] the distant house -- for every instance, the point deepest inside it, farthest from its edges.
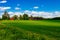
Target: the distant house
(35, 18)
(12, 18)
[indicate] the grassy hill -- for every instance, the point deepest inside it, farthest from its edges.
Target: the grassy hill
(30, 30)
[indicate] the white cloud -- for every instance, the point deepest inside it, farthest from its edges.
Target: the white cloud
(40, 14)
(1, 13)
(4, 8)
(57, 13)
(34, 13)
(4, 1)
(27, 11)
(11, 13)
(37, 14)
(36, 7)
(15, 13)
(45, 14)
(17, 8)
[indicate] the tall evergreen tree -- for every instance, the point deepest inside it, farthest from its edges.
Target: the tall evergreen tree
(5, 16)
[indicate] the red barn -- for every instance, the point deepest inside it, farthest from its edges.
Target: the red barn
(11, 18)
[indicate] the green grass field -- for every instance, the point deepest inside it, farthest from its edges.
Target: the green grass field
(30, 30)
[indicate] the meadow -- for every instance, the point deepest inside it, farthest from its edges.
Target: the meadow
(30, 30)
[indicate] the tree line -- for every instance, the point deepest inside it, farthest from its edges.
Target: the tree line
(6, 16)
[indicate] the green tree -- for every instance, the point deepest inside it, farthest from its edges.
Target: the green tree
(20, 17)
(15, 17)
(5, 16)
(25, 17)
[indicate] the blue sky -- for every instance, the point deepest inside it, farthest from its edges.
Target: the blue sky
(44, 5)
(30, 5)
